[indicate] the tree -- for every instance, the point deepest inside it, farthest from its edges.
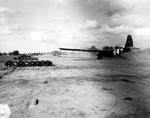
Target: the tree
(93, 48)
(16, 52)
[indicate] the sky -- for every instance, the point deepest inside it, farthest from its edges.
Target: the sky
(45, 25)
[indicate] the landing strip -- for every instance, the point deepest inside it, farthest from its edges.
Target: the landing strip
(78, 88)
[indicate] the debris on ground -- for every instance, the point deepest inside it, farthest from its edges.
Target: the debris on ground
(128, 98)
(25, 61)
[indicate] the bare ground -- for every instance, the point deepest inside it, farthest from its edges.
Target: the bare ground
(78, 88)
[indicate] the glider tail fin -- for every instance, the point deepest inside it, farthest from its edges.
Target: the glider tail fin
(129, 42)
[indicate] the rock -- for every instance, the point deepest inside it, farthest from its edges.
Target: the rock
(4, 111)
(36, 102)
(46, 81)
(31, 104)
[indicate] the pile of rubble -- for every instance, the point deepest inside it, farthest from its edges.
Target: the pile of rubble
(25, 57)
(26, 60)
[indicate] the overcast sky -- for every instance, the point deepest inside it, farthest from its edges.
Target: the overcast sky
(44, 25)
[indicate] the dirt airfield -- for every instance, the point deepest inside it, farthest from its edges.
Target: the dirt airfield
(79, 88)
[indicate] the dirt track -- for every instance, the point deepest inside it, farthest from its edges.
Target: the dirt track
(78, 88)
